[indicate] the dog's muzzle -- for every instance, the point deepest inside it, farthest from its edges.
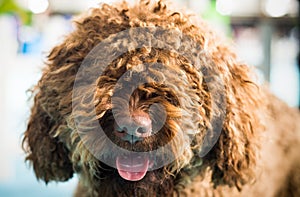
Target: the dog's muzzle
(133, 167)
(134, 128)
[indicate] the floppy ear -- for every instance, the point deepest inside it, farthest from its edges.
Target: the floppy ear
(45, 152)
(236, 150)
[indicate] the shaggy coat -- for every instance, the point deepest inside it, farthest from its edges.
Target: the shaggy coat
(256, 153)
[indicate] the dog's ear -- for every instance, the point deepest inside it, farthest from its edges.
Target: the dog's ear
(235, 153)
(45, 152)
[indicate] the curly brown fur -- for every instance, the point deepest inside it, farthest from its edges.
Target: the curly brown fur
(255, 155)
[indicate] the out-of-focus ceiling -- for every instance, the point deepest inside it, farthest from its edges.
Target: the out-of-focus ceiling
(230, 7)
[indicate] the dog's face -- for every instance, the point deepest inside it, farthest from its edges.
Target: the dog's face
(134, 100)
(143, 120)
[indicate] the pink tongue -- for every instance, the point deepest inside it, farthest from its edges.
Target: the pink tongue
(131, 167)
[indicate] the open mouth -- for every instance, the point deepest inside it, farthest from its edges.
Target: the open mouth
(133, 167)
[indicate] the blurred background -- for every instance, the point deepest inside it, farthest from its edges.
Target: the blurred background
(265, 32)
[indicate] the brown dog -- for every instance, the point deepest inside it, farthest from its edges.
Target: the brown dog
(141, 101)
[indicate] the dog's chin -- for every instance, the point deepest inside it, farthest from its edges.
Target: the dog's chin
(124, 181)
(133, 168)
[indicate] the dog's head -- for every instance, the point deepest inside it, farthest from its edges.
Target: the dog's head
(141, 96)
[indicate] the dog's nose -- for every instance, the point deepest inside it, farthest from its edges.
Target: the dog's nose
(134, 128)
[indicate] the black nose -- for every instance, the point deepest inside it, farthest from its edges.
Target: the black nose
(134, 128)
